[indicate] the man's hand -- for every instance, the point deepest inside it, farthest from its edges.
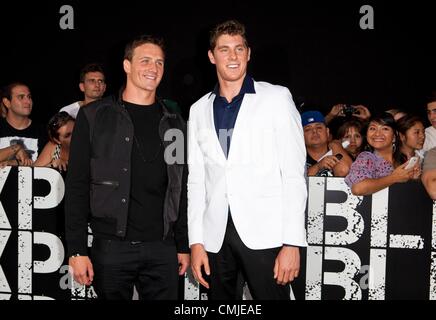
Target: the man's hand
(184, 261)
(287, 265)
(23, 157)
(328, 162)
(199, 259)
(82, 269)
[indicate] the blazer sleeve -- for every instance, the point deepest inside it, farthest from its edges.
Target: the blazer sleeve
(292, 159)
(196, 183)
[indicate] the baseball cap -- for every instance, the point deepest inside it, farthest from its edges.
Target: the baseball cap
(309, 117)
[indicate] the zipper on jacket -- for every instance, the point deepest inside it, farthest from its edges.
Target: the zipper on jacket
(106, 183)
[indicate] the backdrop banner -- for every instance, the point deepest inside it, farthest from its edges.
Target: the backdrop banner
(379, 247)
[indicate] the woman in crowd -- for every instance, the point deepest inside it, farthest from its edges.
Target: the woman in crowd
(352, 131)
(412, 136)
(380, 168)
(57, 151)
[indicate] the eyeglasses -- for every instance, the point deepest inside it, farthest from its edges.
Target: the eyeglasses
(95, 81)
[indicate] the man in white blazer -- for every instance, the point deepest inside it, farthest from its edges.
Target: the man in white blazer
(246, 185)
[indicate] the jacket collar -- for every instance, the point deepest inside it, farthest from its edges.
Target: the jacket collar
(247, 87)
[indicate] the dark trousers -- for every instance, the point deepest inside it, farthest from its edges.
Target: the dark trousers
(152, 267)
(256, 267)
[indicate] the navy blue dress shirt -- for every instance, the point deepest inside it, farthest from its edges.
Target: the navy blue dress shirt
(225, 113)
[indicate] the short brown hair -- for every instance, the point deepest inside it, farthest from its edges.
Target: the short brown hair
(230, 27)
(91, 67)
(6, 92)
(431, 97)
(139, 41)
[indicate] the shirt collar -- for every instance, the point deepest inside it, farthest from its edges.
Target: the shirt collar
(247, 87)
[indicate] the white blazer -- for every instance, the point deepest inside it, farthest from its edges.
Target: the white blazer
(262, 180)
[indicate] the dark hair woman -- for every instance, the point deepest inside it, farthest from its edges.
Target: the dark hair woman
(380, 167)
(57, 151)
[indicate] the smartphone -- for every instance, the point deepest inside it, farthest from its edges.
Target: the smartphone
(339, 156)
(411, 163)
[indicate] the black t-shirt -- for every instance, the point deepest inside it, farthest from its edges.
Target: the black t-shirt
(148, 175)
(33, 138)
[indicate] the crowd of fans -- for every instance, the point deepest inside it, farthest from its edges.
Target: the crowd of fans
(372, 151)
(24, 142)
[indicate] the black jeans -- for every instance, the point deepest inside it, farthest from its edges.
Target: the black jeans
(150, 266)
(256, 266)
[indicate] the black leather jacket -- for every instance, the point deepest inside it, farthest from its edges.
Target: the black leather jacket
(98, 179)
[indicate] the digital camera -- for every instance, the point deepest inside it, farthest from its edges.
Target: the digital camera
(349, 110)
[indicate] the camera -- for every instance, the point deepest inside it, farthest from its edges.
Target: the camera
(349, 110)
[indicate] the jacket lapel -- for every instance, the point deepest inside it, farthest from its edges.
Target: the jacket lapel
(242, 127)
(211, 125)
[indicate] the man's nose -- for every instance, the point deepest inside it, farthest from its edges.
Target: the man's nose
(233, 54)
(153, 67)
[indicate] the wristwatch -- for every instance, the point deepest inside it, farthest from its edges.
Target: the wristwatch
(75, 255)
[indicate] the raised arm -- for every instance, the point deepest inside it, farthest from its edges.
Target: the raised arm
(372, 185)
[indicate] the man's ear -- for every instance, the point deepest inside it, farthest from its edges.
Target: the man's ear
(211, 57)
(82, 86)
(127, 66)
(6, 102)
(249, 54)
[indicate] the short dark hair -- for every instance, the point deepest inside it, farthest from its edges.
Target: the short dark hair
(139, 41)
(230, 27)
(6, 92)
(431, 97)
(90, 67)
(58, 120)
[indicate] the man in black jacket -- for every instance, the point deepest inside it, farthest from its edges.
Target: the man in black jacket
(123, 180)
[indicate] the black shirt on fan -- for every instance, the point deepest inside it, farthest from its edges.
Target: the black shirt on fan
(33, 138)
